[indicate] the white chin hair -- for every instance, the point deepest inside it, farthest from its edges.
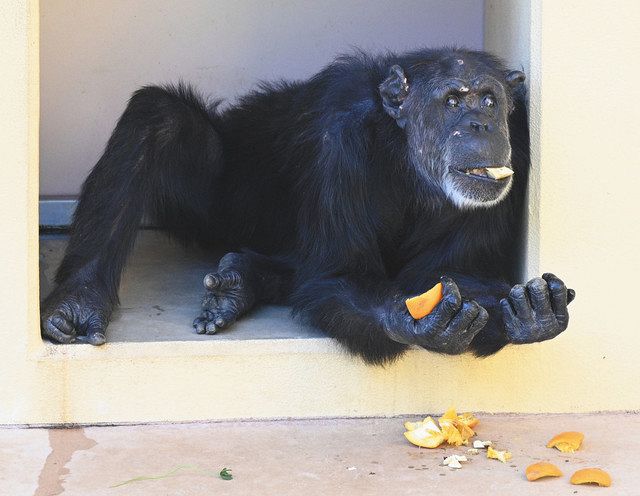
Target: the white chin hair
(469, 203)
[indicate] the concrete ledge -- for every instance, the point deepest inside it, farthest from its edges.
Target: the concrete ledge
(155, 368)
(298, 378)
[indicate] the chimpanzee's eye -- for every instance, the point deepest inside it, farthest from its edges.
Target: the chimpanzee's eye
(453, 101)
(489, 101)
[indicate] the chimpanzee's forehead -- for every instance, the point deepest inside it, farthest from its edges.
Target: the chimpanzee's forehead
(462, 65)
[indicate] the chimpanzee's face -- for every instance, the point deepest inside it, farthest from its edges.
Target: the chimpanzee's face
(455, 120)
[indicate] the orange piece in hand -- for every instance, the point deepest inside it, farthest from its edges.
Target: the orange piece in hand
(542, 469)
(591, 476)
(422, 305)
(567, 442)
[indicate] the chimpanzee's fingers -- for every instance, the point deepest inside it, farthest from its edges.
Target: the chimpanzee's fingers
(478, 323)
(519, 300)
(460, 331)
(559, 298)
(462, 320)
(447, 308)
(538, 292)
(508, 313)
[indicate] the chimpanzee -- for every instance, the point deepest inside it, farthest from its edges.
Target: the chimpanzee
(341, 196)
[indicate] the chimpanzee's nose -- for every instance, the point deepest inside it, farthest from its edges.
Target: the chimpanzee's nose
(478, 127)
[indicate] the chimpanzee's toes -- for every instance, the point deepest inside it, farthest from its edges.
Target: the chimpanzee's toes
(77, 314)
(211, 321)
(201, 321)
(57, 328)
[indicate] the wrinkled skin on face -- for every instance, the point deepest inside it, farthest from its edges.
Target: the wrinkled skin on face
(456, 123)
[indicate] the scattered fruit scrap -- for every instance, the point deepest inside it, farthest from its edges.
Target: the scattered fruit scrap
(457, 429)
(503, 456)
(567, 442)
(591, 476)
(425, 434)
(453, 428)
(542, 469)
(481, 444)
(422, 305)
(453, 461)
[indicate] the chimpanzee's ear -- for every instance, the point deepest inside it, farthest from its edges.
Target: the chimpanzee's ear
(515, 78)
(393, 91)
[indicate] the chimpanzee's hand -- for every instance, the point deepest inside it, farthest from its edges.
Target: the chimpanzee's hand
(449, 328)
(537, 311)
(228, 296)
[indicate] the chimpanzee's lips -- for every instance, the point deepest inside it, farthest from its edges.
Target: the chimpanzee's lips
(492, 173)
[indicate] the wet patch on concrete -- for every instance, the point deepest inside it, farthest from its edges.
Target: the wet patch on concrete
(64, 443)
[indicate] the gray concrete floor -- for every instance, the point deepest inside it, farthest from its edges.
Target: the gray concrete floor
(161, 292)
(309, 457)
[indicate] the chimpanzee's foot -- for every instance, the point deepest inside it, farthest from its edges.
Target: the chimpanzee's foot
(80, 313)
(229, 295)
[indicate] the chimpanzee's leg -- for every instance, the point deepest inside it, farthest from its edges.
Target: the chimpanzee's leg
(241, 281)
(162, 158)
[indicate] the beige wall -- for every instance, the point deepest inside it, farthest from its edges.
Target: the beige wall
(583, 205)
(584, 194)
(94, 53)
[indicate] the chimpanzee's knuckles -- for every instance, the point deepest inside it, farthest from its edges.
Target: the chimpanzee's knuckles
(58, 329)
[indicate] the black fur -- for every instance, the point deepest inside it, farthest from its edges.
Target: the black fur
(317, 180)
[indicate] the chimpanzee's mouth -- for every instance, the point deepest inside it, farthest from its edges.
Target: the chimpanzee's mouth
(495, 173)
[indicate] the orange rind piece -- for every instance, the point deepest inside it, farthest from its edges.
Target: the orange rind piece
(425, 438)
(468, 419)
(542, 469)
(503, 456)
(591, 476)
(567, 442)
(425, 435)
(410, 426)
(450, 414)
(455, 430)
(465, 431)
(422, 305)
(452, 435)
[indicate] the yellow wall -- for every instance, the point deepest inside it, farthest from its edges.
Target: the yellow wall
(584, 207)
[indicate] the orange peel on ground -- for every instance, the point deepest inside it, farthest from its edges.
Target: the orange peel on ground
(427, 435)
(503, 456)
(468, 419)
(542, 469)
(422, 305)
(451, 427)
(567, 442)
(591, 476)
